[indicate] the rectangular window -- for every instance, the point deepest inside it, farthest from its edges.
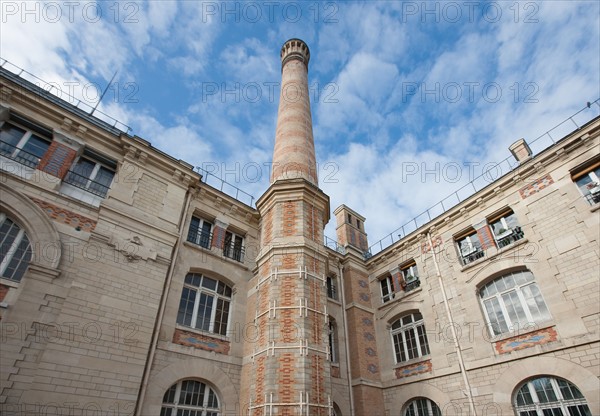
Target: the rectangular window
(24, 142)
(331, 287)
(387, 289)
(200, 232)
(505, 228)
(469, 247)
(92, 172)
(410, 274)
(588, 182)
(233, 247)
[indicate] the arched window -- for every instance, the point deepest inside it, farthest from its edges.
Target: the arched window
(409, 337)
(422, 407)
(190, 398)
(336, 410)
(15, 249)
(333, 340)
(513, 301)
(549, 396)
(204, 304)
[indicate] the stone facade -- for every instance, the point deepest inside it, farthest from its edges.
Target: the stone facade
(154, 279)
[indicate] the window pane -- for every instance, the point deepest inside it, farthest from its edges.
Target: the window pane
(524, 396)
(495, 316)
(535, 302)
(84, 168)
(411, 343)
(221, 317)
(544, 391)
(204, 312)
(423, 340)
(169, 396)
(19, 262)
(512, 303)
(186, 307)
(399, 348)
(209, 283)
(12, 135)
(36, 146)
(579, 410)
(104, 176)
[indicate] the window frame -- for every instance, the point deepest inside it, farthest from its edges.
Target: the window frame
(593, 174)
(412, 408)
(500, 301)
(12, 250)
(417, 323)
(332, 338)
(173, 407)
(30, 130)
(232, 250)
(509, 223)
(410, 269)
(73, 177)
(331, 284)
(200, 234)
(199, 291)
(476, 250)
(536, 407)
(387, 282)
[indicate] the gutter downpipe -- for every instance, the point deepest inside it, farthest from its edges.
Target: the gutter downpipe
(163, 303)
(348, 371)
(461, 362)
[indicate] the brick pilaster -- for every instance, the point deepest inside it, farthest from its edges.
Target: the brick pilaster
(57, 160)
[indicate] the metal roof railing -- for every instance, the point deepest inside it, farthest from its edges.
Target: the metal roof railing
(47, 89)
(537, 145)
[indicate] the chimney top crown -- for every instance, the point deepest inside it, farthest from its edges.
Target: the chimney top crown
(295, 49)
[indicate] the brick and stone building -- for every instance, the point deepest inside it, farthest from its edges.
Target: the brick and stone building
(129, 285)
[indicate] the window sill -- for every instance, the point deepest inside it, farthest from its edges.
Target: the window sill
(535, 326)
(400, 296)
(417, 360)
(9, 283)
(203, 333)
(337, 302)
(495, 253)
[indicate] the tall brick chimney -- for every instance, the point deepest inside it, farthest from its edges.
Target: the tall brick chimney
(294, 154)
(286, 368)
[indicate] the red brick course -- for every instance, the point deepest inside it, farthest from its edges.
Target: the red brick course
(64, 216)
(536, 186)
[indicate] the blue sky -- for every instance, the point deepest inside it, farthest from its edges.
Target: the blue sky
(410, 100)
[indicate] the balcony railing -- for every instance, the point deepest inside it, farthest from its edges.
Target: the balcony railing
(471, 257)
(85, 183)
(412, 285)
(235, 253)
(202, 238)
(19, 155)
(593, 195)
(515, 235)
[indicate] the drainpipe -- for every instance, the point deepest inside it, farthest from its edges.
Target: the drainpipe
(461, 362)
(161, 309)
(348, 371)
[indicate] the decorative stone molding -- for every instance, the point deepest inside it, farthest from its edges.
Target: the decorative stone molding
(414, 369)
